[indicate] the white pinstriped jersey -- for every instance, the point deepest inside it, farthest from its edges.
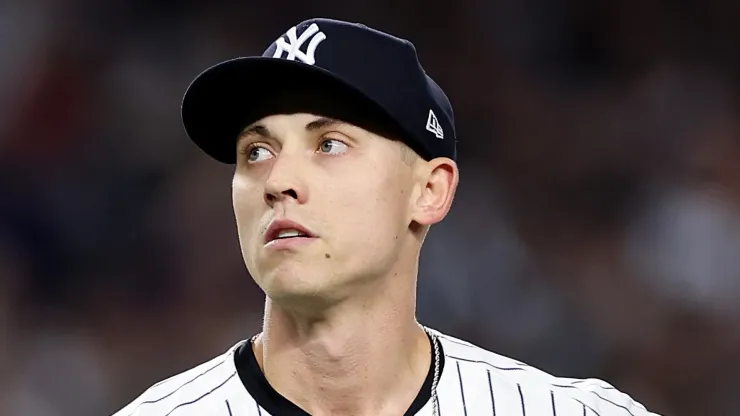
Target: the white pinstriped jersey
(474, 382)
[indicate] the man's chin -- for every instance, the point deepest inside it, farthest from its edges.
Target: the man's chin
(303, 298)
(293, 279)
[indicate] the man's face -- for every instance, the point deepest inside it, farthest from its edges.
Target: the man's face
(348, 188)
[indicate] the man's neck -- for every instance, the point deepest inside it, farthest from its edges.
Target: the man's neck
(367, 358)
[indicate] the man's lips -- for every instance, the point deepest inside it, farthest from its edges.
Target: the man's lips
(284, 229)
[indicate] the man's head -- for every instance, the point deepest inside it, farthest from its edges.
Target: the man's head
(364, 200)
(346, 141)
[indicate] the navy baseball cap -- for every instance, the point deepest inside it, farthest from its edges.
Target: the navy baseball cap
(379, 72)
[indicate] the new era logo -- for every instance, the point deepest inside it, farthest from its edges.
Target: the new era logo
(293, 46)
(434, 126)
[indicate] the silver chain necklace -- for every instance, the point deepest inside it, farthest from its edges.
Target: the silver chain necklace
(435, 380)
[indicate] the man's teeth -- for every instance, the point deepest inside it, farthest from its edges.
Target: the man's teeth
(290, 233)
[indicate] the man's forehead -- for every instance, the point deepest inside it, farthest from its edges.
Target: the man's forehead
(306, 103)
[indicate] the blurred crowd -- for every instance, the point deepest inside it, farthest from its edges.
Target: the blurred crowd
(596, 232)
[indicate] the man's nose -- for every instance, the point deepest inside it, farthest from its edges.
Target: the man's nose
(285, 180)
(279, 193)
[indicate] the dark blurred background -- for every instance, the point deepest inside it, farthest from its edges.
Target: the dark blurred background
(596, 230)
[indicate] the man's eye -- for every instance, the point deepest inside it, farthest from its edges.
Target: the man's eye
(333, 147)
(258, 154)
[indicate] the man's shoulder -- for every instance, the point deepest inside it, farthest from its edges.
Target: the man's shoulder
(592, 395)
(183, 388)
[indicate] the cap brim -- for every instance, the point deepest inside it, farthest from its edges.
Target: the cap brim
(227, 97)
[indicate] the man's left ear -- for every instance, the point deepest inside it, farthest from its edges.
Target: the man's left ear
(438, 178)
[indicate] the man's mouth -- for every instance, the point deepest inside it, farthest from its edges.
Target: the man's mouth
(289, 233)
(286, 229)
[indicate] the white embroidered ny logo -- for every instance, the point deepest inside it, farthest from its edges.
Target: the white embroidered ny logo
(294, 47)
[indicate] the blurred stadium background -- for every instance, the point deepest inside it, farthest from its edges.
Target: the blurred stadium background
(596, 230)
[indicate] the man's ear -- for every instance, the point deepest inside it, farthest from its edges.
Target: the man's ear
(438, 180)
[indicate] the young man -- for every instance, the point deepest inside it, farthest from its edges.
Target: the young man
(344, 153)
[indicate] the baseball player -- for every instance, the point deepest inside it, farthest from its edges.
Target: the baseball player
(344, 155)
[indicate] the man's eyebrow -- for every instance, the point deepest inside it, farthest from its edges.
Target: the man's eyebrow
(255, 130)
(322, 122)
(262, 131)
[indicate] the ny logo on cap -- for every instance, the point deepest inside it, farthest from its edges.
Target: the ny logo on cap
(293, 46)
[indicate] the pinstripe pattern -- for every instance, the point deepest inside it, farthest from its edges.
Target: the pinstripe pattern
(585, 406)
(521, 398)
(502, 382)
(202, 396)
(552, 399)
(177, 389)
(462, 389)
(473, 382)
(486, 363)
(490, 389)
(623, 409)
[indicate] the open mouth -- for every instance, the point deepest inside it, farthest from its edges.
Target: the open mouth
(281, 230)
(283, 234)
(288, 239)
